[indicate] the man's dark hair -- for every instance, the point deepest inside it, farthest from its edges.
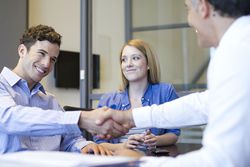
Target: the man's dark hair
(231, 8)
(40, 33)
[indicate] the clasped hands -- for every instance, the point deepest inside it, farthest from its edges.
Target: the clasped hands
(147, 140)
(106, 123)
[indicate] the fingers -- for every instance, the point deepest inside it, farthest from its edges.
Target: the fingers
(106, 115)
(150, 141)
(96, 149)
(137, 137)
(85, 150)
(112, 128)
(119, 129)
(100, 150)
(123, 118)
(131, 144)
(108, 122)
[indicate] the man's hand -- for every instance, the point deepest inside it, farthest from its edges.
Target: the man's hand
(106, 129)
(96, 149)
(124, 118)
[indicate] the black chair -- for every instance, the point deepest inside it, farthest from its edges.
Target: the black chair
(86, 134)
(72, 108)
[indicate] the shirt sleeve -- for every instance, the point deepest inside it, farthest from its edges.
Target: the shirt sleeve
(33, 121)
(175, 114)
(226, 103)
(74, 143)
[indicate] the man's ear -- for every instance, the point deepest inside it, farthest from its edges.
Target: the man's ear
(204, 8)
(22, 50)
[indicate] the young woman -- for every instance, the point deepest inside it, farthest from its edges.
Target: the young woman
(140, 87)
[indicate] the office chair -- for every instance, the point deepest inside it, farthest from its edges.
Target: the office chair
(72, 108)
(86, 134)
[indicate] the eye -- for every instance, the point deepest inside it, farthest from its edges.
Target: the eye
(123, 59)
(53, 59)
(42, 54)
(136, 58)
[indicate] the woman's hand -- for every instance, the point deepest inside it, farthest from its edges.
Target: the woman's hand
(133, 141)
(96, 149)
(150, 139)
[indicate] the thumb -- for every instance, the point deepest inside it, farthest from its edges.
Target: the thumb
(103, 117)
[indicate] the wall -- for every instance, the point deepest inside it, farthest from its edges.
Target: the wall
(179, 55)
(178, 59)
(12, 26)
(64, 16)
(108, 37)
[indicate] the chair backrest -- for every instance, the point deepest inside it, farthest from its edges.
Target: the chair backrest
(72, 108)
(86, 134)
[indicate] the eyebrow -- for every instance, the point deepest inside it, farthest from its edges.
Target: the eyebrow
(44, 51)
(133, 55)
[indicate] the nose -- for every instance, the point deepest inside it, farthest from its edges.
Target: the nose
(129, 62)
(46, 61)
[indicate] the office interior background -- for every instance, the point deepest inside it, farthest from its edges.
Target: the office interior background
(161, 23)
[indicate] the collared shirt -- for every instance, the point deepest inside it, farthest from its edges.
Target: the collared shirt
(33, 120)
(225, 107)
(154, 94)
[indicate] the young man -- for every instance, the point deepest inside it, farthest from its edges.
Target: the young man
(225, 106)
(30, 118)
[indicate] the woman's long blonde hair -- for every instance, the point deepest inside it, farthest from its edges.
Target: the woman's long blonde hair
(152, 62)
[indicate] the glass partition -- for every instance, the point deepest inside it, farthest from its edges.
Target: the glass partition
(163, 24)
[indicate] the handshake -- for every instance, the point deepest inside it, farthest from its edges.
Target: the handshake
(106, 123)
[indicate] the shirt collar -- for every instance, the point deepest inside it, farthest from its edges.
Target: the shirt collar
(235, 30)
(10, 76)
(12, 79)
(147, 95)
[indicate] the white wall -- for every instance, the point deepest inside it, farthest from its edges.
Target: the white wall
(108, 38)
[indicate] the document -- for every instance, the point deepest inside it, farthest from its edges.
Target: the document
(62, 159)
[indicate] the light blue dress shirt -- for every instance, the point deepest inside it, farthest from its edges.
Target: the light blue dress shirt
(33, 120)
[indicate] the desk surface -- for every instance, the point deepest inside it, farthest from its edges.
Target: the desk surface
(176, 149)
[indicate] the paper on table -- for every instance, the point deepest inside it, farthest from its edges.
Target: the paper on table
(62, 159)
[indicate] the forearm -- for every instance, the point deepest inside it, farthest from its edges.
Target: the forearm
(113, 147)
(85, 122)
(177, 113)
(166, 139)
(34, 121)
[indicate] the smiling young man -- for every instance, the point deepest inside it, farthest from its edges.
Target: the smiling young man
(224, 106)
(30, 118)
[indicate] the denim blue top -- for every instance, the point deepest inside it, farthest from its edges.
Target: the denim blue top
(155, 94)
